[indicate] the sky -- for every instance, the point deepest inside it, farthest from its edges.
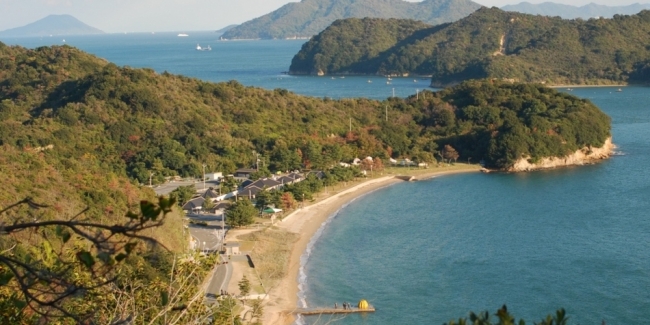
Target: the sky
(117, 16)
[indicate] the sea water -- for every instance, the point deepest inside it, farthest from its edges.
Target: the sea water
(431, 251)
(260, 63)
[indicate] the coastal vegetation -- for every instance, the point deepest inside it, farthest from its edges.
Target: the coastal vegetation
(309, 17)
(81, 137)
(490, 43)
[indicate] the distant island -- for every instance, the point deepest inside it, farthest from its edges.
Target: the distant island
(591, 10)
(490, 43)
(60, 25)
(309, 17)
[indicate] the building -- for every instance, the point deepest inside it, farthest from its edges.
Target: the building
(231, 248)
(244, 173)
(194, 205)
(213, 176)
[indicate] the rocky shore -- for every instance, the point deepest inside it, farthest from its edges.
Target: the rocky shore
(586, 155)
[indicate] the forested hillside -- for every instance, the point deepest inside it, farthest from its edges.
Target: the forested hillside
(77, 132)
(68, 105)
(490, 43)
(309, 17)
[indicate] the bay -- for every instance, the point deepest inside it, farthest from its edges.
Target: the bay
(430, 251)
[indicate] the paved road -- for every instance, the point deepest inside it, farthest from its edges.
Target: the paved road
(220, 279)
(164, 189)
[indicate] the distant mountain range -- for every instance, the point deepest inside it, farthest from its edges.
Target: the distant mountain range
(310, 17)
(591, 10)
(52, 25)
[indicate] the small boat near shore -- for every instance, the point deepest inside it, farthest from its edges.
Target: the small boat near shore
(199, 48)
(182, 35)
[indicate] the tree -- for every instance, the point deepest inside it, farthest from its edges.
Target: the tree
(263, 199)
(377, 164)
(450, 153)
(207, 204)
(288, 202)
(76, 257)
(182, 194)
(504, 318)
(244, 286)
(228, 184)
(240, 213)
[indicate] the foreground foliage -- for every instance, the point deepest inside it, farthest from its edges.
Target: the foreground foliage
(490, 43)
(503, 317)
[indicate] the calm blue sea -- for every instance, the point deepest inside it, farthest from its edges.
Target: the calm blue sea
(431, 251)
(252, 63)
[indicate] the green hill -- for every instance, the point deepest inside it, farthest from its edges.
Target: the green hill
(132, 121)
(490, 43)
(309, 17)
(76, 132)
(587, 11)
(52, 25)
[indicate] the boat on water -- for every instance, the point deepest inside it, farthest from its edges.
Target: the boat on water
(183, 35)
(619, 90)
(199, 48)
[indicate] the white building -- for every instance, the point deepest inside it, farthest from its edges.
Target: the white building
(213, 176)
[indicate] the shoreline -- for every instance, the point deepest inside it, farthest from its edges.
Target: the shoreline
(589, 86)
(306, 222)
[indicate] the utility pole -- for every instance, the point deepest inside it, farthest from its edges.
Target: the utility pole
(417, 93)
(204, 176)
(150, 175)
(393, 92)
(350, 124)
(386, 113)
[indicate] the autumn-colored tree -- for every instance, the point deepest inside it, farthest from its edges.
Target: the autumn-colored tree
(288, 202)
(377, 164)
(450, 153)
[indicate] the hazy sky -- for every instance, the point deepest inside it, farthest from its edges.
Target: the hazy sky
(175, 15)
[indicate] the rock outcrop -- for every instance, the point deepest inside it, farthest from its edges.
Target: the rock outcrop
(583, 156)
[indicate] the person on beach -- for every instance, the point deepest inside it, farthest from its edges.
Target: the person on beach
(335, 305)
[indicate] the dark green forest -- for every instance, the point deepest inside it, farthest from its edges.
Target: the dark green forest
(490, 43)
(309, 17)
(132, 121)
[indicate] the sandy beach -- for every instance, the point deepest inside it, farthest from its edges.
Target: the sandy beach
(305, 222)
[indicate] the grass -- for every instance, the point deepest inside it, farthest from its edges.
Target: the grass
(271, 253)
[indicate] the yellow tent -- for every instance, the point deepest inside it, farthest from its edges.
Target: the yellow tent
(363, 304)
